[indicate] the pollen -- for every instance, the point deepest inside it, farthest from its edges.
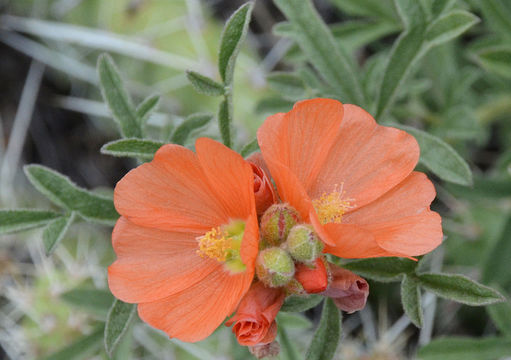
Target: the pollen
(215, 244)
(330, 207)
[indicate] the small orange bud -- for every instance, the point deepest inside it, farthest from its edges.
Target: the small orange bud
(314, 280)
(276, 223)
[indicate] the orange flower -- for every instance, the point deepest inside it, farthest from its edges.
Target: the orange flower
(348, 291)
(254, 321)
(263, 189)
(187, 240)
(352, 179)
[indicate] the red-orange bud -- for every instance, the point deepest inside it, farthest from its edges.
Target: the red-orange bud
(348, 290)
(254, 321)
(314, 280)
(263, 189)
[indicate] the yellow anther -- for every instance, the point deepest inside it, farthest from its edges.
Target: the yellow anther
(331, 207)
(215, 244)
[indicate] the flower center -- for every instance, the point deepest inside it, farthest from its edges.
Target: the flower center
(331, 207)
(223, 244)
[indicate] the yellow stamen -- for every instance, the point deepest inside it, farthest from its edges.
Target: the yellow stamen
(331, 207)
(214, 244)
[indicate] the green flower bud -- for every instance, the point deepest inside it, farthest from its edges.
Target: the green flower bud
(276, 223)
(303, 244)
(274, 267)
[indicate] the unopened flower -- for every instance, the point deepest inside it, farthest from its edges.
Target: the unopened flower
(314, 279)
(263, 188)
(187, 239)
(276, 223)
(274, 267)
(348, 290)
(254, 322)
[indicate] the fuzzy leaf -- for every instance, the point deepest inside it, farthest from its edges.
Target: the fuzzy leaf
(224, 121)
(301, 303)
(117, 98)
(495, 269)
(459, 288)
(411, 12)
(449, 26)
(21, 219)
(496, 60)
(288, 85)
(369, 8)
(63, 192)
(293, 321)
(81, 349)
(55, 231)
(411, 299)
(501, 316)
(147, 107)
(136, 148)
(456, 348)
(234, 33)
(117, 322)
(498, 16)
(250, 148)
(327, 336)
(382, 269)
(191, 123)
(95, 300)
(321, 49)
(441, 158)
(205, 85)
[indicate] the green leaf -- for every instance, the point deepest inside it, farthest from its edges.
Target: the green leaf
(20, 219)
(501, 316)
(288, 85)
(449, 26)
(234, 33)
(301, 303)
(369, 8)
(205, 85)
(496, 60)
(55, 232)
(411, 299)
(498, 16)
(83, 348)
(293, 321)
(440, 6)
(495, 268)
(459, 288)
(146, 108)
(382, 269)
(137, 148)
(90, 299)
(327, 336)
(440, 157)
(118, 100)
(63, 192)
(355, 34)
(250, 148)
(224, 121)
(411, 13)
(191, 123)
(273, 105)
(289, 347)
(316, 41)
(456, 348)
(117, 322)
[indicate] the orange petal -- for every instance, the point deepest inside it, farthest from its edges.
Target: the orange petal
(410, 236)
(410, 197)
(152, 264)
(196, 312)
(368, 159)
(169, 193)
(314, 280)
(230, 177)
(264, 193)
(301, 139)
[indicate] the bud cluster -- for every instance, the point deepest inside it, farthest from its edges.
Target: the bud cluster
(291, 252)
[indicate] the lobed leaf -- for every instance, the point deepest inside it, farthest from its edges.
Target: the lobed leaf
(146, 108)
(81, 349)
(301, 303)
(327, 336)
(55, 231)
(449, 26)
(456, 348)
(440, 157)
(234, 33)
(321, 49)
(382, 269)
(411, 299)
(63, 192)
(20, 219)
(191, 123)
(117, 322)
(117, 98)
(137, 148)
(205, 85)
(95, 300)
(459, 288)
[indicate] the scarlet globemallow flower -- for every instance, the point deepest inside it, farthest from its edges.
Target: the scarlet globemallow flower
(352, 179)
(187, 238)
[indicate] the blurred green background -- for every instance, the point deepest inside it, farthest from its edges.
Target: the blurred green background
(52, 113)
